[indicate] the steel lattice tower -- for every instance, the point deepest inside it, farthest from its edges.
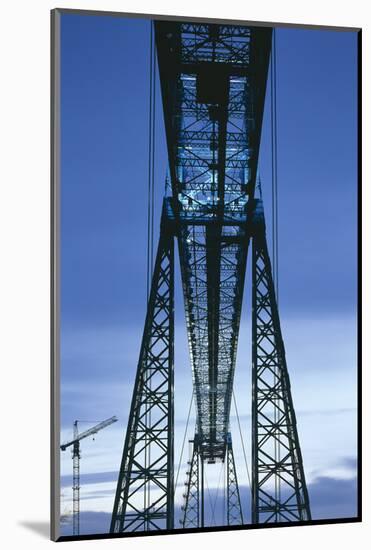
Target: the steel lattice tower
(213, 81)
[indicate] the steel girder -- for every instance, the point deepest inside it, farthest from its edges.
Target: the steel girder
(145, 492)
(279, 491)
(213, 80)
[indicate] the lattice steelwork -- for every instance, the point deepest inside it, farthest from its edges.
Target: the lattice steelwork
(213, 109)
(213, 82)
(145, 492)
(194, 501)
(279, 488)
(234, 508)
(191, 507)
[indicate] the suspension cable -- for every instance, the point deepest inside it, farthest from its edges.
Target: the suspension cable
(243, 446)
(184, 440)
(151, 159)
(213, 505)
(274, 163)
(277, 442)
(153, 141)
(150, 216)
(225, 491)
(209, 495)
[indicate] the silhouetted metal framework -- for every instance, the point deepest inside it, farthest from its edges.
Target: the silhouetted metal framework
(145, 492)
(279, 488)
(194, 502)
(213, 81)
(76, 455)
(193, 495)
(234, 508)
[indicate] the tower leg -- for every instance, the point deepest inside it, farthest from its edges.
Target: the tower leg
(234, 509)
(145, 490)
(192, 497)
(279, 491)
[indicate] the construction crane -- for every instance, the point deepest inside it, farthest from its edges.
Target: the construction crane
(75, 443)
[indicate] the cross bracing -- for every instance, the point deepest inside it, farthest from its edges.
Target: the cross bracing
(213, 115)
(213, 80)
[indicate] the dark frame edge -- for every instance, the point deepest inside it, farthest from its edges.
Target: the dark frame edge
(169, 17)
(359, 273)
(197, 530)
(54, 278)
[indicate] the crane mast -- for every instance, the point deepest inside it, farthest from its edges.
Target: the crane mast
(76, 455)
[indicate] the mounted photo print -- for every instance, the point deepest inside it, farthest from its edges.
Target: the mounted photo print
(205, 296)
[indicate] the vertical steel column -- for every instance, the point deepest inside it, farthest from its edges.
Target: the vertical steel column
(145, 490)
(279, 491)
(191, 506)
(234, 509)
(202, 491)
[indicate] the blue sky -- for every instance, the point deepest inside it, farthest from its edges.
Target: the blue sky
(104, 148)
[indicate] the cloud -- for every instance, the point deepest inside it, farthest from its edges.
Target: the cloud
(88, 479)
(333, 498)
(90, 523)
(350, 462)
(330, 498)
